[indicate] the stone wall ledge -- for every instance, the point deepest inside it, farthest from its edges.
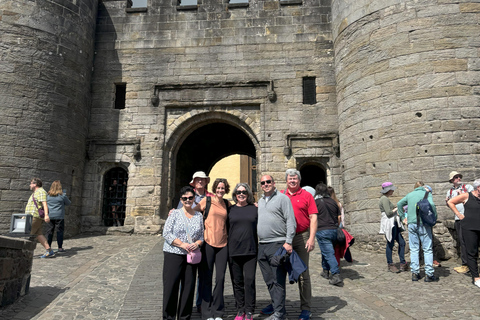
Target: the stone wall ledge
(15, 243)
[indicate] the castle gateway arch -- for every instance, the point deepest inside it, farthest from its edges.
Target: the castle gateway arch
(199, 143)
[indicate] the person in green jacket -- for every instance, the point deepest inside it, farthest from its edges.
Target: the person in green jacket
(418, 232)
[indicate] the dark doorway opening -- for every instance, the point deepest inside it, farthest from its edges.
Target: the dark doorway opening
(312, 174)
(204, 147)
(114, 197)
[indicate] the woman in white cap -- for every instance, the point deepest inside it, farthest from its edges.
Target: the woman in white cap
(392, 227)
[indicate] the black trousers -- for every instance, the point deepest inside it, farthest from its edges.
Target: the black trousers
(242, 270)
(177, 271)
(275, 277)
(463, 250)
(471, 238)
(50, 229)
(213, 304)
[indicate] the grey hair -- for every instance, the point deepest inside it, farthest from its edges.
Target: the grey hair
(250, 199)
(476, 184)
(292, 172)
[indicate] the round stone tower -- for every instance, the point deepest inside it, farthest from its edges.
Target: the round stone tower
(408, 84)
(46, 56)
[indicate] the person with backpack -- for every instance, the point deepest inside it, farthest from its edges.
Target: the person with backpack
(215, 250)
(418, 231)
(459, 188)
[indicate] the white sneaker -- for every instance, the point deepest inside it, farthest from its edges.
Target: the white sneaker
(210, 319)
(477, 283)
(218, 319)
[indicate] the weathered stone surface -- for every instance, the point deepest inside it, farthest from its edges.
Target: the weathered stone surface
(396, 98)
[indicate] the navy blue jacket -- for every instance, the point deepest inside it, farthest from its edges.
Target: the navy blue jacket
(292, 263)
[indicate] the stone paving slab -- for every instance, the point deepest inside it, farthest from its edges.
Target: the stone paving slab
(120, 277)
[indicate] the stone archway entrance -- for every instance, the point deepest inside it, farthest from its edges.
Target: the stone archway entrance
(203, 147)
(312, 174)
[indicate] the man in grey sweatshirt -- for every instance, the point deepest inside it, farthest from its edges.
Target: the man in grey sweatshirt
(276, 228)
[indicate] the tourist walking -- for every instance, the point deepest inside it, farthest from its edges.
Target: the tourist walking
(38, 208)
(470, 224)
(392, 227)
(183, 233)
(242, 250)
(56, 201)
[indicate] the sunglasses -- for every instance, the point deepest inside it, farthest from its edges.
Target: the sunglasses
(242, 192)
(265, 182)
(187, 198)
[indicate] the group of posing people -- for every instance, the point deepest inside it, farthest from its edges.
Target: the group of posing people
(240, 236)
(49, 208)
(462, 199)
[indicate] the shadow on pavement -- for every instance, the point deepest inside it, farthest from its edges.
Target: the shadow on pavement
(67, 253)
(348, 271)
(31, 304)
(443, 272)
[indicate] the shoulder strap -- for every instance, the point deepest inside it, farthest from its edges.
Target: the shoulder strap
(207, 208)
(426, 195)
(33, 197)
(187, 227)
(285, 191)
(464, 187)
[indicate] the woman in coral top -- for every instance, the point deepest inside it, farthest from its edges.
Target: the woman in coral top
(214, 251)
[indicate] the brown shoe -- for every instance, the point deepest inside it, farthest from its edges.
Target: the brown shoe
(393, 268)
(403, 266)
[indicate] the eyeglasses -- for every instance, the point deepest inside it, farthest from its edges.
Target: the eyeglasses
(187, 198)
(457, 177)
(242, 192)
(265, 182)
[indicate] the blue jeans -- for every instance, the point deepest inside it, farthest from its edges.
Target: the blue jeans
(396, 236)
(420, 234)
(326, 241)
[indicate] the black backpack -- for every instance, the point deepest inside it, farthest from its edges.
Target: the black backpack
(209, 204)
(425, 212)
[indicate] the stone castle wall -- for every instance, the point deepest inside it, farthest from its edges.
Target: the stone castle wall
(408, 78)
(216, 63)
(397, 86)
(46, 51)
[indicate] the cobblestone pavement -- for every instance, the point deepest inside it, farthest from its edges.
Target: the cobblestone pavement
(119, 277)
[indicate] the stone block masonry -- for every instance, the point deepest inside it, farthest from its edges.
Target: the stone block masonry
(16, 256)
(395, 99)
